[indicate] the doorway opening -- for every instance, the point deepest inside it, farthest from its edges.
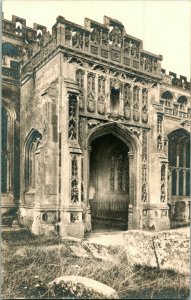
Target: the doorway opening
(109, 179)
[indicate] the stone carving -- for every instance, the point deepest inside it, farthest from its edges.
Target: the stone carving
(144, 192)
(101, 95)
(163, 183)
(116, 55)
(72, 124)
(74, 180)
(127, 101)
(135, 131)
(144, 105)
(80, 82)
(148, 65)
(144, 212)
(68, 34)
(82, 123)
(77, 40)
(115, 36)
(96, 36)
(87, 40)
(105, 38)
(135, 50)
(74, 217)
(136, 113)
(8, 26)
(160, 132)
(127, 47)
(92, 123)
(91, 92)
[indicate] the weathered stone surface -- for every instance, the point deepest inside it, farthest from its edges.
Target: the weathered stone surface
(99, 251)
(139, 247)
(172, 251)
(79, 251)
(165, 250)
(81, 287)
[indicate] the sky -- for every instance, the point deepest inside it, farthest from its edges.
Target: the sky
(164, 26)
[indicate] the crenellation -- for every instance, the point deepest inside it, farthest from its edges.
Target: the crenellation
(172, 79)
(107, 21)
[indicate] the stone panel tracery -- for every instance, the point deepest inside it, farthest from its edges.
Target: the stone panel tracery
(91, 92)
(72, 124)
(101, 95)
(74, 180)
(136, 112)
(80, 83)
(144, 166)
(144, 105)
(163, 183)
(127, 94)
(160, 133)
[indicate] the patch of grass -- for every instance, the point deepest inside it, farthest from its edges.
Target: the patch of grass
(28, 259)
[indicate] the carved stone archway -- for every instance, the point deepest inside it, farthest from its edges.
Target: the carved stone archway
(129, 138)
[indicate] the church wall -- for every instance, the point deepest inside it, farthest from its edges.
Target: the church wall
(39, 105)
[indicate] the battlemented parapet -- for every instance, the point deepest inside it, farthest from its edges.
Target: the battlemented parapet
(108, 41)
(172, 79)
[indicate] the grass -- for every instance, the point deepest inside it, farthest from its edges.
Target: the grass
(30, 262)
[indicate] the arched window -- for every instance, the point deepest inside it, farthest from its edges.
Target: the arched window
(179, 163)
(168, 97)
(183, 102)
(8, 117)
(31, 146)
(115, 89)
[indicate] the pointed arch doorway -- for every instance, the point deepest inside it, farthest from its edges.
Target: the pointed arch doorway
(109, 183)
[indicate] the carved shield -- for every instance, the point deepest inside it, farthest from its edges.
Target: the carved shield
(145, 117)
(136, 114)
(91, 105)
(101, 107)
(127, 112)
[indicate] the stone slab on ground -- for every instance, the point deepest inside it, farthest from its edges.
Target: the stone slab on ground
(81, 287)
(99, 251)
(167, 249)
(172, 251)
(139, 248)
